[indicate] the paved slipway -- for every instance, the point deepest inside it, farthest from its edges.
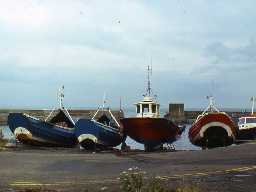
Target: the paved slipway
(223, 169)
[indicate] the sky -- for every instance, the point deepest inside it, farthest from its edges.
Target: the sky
(197, 48)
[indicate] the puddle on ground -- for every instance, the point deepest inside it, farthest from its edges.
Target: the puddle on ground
(237, 180)
(242, 175)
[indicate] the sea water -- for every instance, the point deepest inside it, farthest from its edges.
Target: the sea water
(6, 132)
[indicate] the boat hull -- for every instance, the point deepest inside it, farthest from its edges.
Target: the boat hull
(92, 135)
(247, 134)
(29, 130)
(213, 130)
(150, 131)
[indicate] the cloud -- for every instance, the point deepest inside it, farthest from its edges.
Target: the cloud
(233, 54)
(238, 58)
(82, 34)
(92, 45)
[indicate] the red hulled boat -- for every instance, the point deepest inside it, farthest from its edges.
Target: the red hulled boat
(147, 127)
(213, 128)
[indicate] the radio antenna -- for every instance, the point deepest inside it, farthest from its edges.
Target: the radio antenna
(149, 89)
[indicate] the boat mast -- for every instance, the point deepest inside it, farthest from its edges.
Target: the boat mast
(149, 89)
(104, 101)
(102, 108)
(253, 102)
(61, 97)
(120, 104)
(211, 107)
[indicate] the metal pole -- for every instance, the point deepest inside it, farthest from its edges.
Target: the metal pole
(253, 102)
(95, 114)
(61, 96)
(113, 117)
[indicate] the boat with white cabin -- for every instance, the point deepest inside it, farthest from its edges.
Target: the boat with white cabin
(148, 127)
(247, 125)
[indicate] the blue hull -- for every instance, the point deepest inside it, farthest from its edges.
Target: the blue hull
(37, 132)
(92, 134)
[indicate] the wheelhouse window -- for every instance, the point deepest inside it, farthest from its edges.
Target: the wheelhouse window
(138, 108)
(241, 121)
(153, 108)
(145, 108)
(250, 120)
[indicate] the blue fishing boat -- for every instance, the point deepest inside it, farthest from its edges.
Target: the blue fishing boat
(103, 131)
(56, 130)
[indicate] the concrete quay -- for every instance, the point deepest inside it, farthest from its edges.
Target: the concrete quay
(226, 169)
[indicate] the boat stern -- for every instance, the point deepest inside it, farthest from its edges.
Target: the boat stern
(216, 125)
(214, 134)
(22, 134)
(86, 134)
(16, 120)
(213, 130)
(87, 141)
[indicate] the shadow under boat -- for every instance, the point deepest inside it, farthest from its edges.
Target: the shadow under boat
(56, 130)
(101, 132)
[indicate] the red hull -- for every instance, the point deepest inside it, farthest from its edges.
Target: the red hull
(150, 130)
(213, 130)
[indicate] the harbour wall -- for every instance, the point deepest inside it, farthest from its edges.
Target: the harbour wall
(179, 114)
(42, 114)
(176, 113)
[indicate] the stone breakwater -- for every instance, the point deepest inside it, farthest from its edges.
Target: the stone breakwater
(179, 114)
(185, 116)
(42, 114)
(189, 117)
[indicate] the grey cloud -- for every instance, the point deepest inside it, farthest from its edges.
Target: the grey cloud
(221, 53)
(94, 52)
(229, 60)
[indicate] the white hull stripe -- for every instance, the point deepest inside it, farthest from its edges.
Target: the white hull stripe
(84, 137)
(247, 126)
(22, 131)
(216, 124)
